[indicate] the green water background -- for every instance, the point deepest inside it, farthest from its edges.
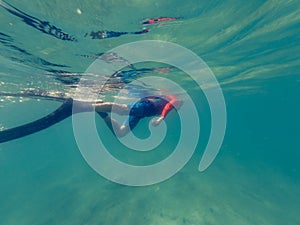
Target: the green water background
(252, 48)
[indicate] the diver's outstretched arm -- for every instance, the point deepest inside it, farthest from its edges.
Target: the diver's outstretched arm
(63, 112)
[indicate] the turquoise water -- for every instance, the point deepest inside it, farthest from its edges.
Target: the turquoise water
(252, 48)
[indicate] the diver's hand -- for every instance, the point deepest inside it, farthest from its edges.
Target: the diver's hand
(156, 121)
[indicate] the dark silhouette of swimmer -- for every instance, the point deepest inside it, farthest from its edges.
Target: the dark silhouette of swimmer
(43, 26)
(133, 72)
(159, 20)
(111, 34)
(146, 107)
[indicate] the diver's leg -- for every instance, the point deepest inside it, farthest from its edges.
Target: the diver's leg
(121, 109)
(115, 127)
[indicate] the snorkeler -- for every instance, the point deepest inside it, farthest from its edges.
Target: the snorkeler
(111, 34)
(159, 20)
(43, 26)
(146, 107)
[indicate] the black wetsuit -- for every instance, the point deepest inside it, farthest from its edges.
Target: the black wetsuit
(146, 107)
